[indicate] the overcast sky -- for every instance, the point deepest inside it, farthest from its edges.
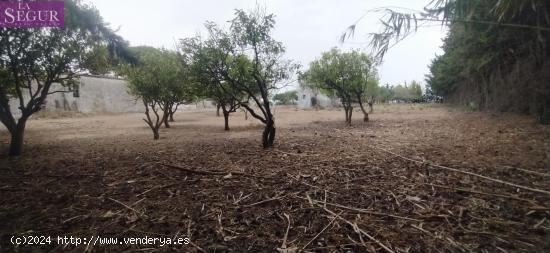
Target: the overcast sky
(306, 27)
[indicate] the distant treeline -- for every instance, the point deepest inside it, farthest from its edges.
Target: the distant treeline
(402, 93)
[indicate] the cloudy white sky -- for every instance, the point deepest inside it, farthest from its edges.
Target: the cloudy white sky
(306, 27)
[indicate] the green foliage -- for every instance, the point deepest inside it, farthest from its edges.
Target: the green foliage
(286, 98)
(208, 60)
(259, 57)
(498, 63)
(443, 75)
(98, 61)
(159, 75)
(162, 81)
(408, 92)
(385, 93)
(251, 36)
(351, 75)
(346, 73)
(243, 64)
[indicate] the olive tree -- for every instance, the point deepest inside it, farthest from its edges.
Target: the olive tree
(352, 76)
(253, 65)
(33, 59)
(158, 80)
(251, 33)
(205, 60)
(245, 63)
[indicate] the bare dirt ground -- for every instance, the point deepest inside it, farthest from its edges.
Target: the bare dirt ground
(325, 187)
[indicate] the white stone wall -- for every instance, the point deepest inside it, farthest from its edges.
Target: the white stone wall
(100, 95)
(97, 95)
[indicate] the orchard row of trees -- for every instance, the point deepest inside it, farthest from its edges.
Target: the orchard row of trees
(406, 93)
(238, 67)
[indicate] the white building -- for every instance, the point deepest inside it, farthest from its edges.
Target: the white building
(311, 98)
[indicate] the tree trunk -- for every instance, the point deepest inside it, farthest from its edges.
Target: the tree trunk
(349, 111)
(170, 112)
(365, 113)
(544, 118)
(166, 124)
(245, 115)
(16, 144)
(271, 139)
(218, 107)
(165, 116)
(370, 107)
(156, 122)
(268, 136)
(225, 115)
(156, 135)
(172, 116)
(346, 112)
(226, 118)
